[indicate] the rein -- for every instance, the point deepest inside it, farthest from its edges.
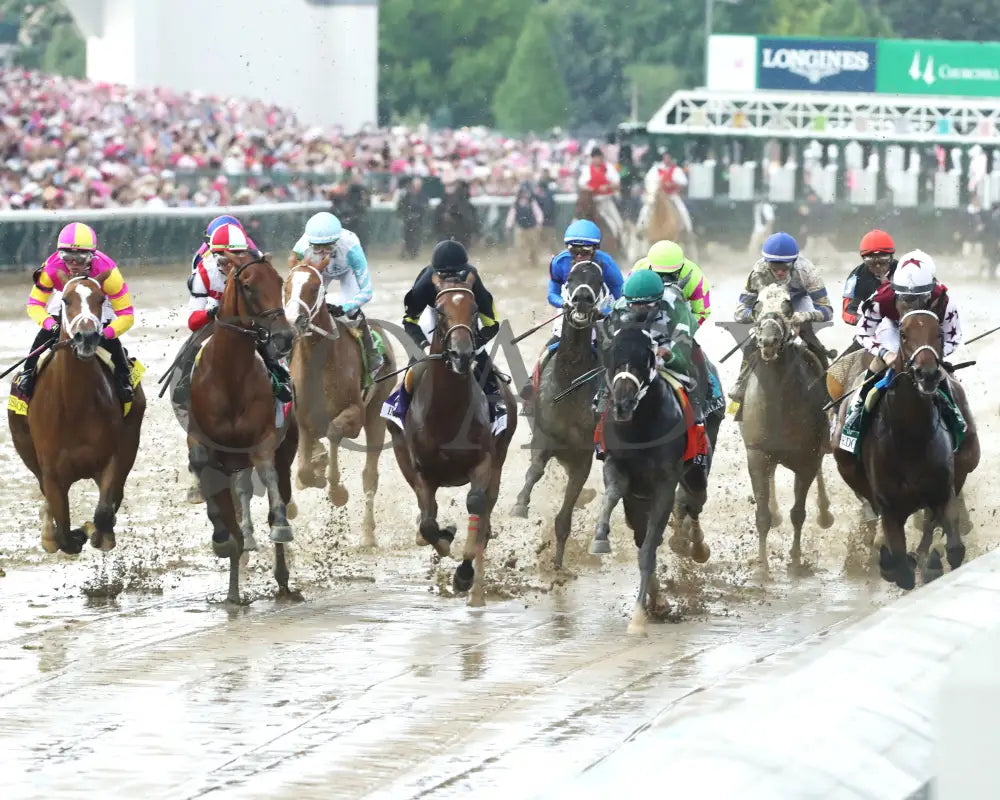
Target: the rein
(572, 297)
(441, 316)
(314, 309)
(260, 333)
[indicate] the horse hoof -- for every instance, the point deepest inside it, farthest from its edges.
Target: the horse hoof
(520, 510)
(600, 547)
(464, 576)
(338, 496)
(291, 510)
(679, 545)
(956, 555)
(226, 549)
(368, 542)
(637, 625)
(586, 496)
(281, 534)
(477, 600)
(700, 552)
(825, 520)
(194, 495)
(249, 542)
(104, 542)
(50, 545)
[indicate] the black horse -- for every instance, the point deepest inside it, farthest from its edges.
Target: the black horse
(455, 217)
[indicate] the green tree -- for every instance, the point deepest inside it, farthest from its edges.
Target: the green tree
(533, 95)
(48, 38)
(840, 18)
(963, 20)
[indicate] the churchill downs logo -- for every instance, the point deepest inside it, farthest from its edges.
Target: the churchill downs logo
(815, 65)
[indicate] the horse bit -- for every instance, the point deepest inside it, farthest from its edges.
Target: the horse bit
(262, 334)
(313, 310)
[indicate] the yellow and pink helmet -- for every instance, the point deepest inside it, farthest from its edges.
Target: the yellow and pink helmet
(77, 236)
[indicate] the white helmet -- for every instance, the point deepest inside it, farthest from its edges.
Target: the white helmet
(915, 274)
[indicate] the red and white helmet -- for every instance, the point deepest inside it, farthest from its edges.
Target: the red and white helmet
(915, 274)
(228, 239)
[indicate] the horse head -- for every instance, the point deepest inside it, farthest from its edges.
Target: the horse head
(920, 347)
(83, 303)
(586, 205)
(455, 311)
(584, 293)
(304, 297)
(772, 315)
(254, 290)
(633, 370)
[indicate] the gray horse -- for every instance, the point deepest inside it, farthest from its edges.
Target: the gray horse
(783, 421)
(565, 429)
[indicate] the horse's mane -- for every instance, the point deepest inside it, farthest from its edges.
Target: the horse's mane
(774, 299)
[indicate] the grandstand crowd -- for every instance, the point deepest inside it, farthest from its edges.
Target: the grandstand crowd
(70, 143)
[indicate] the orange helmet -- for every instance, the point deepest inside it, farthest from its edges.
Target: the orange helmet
(877, 241)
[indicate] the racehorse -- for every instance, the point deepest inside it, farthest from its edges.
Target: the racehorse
(783, 421)
(663, 221)
(565, 429)
(448, 439)
(907, 457)
(455, 216)
(75, 427)
(645, 436)
(327, 371)
(588, 208)
(234, 425)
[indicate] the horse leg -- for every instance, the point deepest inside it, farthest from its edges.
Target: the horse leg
(243, 489)
(929, 561)
(347, 424)
(615, 486)
(692, 494)
(952, 516)
(56, 534)
(277, 516)
(375, 429)
(772, 503)
(895, 564)
(477, 596)
(536, 469)
(429, 531)
(467, 577)
(577, 473)
(659, 516)
(803, 480)
(823, 500)
(761, 470)
(307, 476)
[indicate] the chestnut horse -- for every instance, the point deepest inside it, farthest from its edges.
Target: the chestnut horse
(327, 372)
(907, 460)
(233, 423)
(75, 428)
(448, 438)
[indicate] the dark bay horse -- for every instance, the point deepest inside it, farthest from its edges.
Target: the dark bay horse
(448, 438)
(645, 433)
(783, 421)
(907, 459)
(75, 428)
(456, 218)
(587, 208)
(233, 423)
(329, 401)
(565, 429)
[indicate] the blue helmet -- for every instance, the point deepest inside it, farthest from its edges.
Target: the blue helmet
(218, 222)
(780, 247)
(582, 231)
(323, 228)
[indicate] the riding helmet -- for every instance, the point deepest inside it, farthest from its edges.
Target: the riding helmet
(665, 257)
(323, 228)
(218, 222)
(780, 247)
(877, 241)
(229, 238)
(449, 256)
(582, 231)
(77, 236)
(915, 274)
(643, 286)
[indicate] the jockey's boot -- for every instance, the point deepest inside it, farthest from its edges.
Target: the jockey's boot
(740, 387)
(852, 421)
(25, 383)
(123, 370)
(527, 395)
(487, 378)
(181, 394)
(372, 356)
(280, 377)
(811, 341)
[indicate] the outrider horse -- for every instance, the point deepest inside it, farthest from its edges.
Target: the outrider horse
(233, 423)
(448, 438)
(565, 429)
(587, 208)
(646, 436)
(330, 397)
(907, 456)
(75, 428)
(455, 216)
(783, 421)
(664, 221)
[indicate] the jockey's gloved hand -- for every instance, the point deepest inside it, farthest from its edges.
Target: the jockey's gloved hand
(213, 312)
(335, 310)
(799, 317)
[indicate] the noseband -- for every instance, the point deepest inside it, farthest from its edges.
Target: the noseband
(262, 334)
(312, 310)
(441, 315)
(71, 326)
(571, 298)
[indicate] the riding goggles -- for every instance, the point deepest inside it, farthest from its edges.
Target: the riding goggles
(582, 249)
(77, 257)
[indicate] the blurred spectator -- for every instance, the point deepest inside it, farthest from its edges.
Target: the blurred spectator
(525, 219)
(412, 208)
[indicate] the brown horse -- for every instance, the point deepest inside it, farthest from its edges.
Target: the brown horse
(233, 422)
(448, 438)
(75, 428)
(663, 221)
(587, 208)
(907, 461)
(455, 216)
(327, 372)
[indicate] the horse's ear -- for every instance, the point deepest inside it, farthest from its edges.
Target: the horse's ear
(939, 304)
(266, 257)
(470, 279)
(436, 280)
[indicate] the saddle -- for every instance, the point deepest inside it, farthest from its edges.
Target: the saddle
(19, 404)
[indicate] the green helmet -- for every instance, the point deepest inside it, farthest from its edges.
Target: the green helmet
(643, 286)
(665, 257)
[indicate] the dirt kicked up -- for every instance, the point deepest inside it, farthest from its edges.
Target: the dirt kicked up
(124, 674)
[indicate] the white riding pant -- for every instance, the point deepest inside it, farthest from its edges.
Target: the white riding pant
(609, 210)
(682, 209)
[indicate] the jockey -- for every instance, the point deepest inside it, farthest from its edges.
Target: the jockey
(77, 255)
(214, 225)
(450, 260)
(582, 240)
(206, 286)
(602, 179)
(914, 286)
(337, 253)
(667, 260)
(876, 268)
(668, 176)
(781, 263)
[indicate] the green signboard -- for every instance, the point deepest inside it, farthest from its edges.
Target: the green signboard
(915, 66)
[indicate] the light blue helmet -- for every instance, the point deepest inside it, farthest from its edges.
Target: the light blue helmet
(780, 247)
(323, 228)
(582, 231)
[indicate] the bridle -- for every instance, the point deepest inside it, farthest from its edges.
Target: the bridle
(441, 315)
(910, 361)
(642, 383)
(312, 310)
(262, 334)
(776, 320)
(571, 298)
(71, 326)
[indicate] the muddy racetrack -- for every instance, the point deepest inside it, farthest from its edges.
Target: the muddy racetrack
(124, 675)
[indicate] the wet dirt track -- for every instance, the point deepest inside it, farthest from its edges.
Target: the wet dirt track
(124, 675)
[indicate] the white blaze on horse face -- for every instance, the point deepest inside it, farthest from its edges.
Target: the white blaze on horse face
(295, 304)
(72, 326)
